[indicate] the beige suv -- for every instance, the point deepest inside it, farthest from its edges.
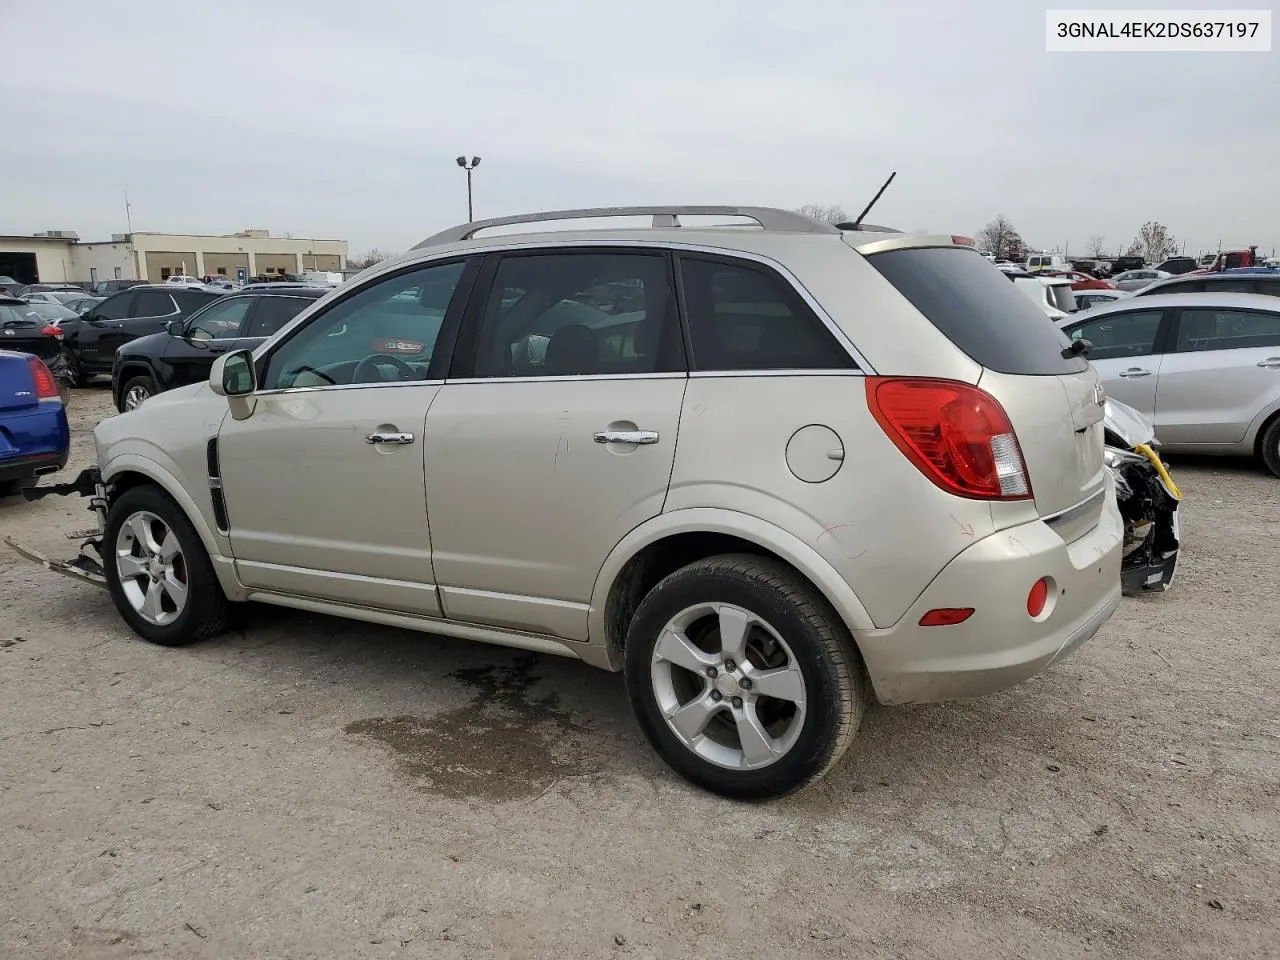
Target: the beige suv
(770, 471)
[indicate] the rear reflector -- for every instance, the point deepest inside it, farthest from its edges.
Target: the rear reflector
(46, 386)
(956, 435)
(946, 616)
(1038, 597)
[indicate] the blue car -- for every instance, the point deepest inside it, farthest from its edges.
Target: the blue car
(34, 436)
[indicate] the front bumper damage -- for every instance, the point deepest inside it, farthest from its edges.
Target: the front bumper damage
(86, 566)
(1149, 501)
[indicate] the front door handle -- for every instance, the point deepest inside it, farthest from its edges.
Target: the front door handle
(388, 438)
(1272, 363)
(1136, 372)
(626, 436)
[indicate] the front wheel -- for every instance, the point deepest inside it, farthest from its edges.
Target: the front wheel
(135, 392)
(159, 575)
(742, 677)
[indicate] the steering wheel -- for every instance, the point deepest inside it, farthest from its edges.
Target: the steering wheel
(369, 366)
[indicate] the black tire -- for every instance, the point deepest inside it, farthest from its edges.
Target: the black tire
(820, 646)
(11, 488)
(206, 611)
(142, 382)
(1270, 446)
(75, 373)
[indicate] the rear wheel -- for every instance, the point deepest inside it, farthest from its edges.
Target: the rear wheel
(159, 575)
(135, 391)
(75, 373)
(11, 488)
(1270, 446)
(742, 678)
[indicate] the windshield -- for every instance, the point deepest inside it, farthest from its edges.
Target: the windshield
(1062, 297)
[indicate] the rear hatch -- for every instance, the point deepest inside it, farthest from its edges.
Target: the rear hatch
(1054, 401)
(22, 330)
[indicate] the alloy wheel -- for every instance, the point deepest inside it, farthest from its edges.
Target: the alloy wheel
(134, 396)
(152, 568)
(728, 686)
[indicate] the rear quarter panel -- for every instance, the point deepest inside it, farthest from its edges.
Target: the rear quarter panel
(884, 527)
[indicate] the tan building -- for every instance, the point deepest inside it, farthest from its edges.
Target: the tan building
(60, 256)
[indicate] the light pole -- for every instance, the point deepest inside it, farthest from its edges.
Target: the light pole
(475, 162)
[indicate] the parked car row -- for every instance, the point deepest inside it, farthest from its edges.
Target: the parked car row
(1203, 367)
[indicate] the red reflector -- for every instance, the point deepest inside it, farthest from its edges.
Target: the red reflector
(963, 241)
(946, 616)
(46, 386)
(957, 435)
(1038, 597)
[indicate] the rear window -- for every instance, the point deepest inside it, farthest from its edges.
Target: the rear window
(978, 310)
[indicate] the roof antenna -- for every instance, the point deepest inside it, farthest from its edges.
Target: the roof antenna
(867, 209)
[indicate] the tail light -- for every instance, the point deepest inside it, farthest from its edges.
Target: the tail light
(957, 435)
(52, 331)
(46, 386)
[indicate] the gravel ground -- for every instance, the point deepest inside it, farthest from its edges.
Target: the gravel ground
(310, 787)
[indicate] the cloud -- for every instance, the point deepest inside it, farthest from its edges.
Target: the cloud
(342, 120)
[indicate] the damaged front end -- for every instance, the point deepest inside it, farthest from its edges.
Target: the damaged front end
(86, 566)
(1148, 500)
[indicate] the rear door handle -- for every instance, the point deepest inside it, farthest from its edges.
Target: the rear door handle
(388, 438)
(1272, 363)
(626, 436)
(1135, 372)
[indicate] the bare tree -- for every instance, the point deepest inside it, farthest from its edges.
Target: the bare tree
(1002, 238)
(1095, 246)
(832, 214)
(368, 259)
(1153, 243)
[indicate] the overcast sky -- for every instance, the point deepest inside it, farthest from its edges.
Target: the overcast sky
(343, 120)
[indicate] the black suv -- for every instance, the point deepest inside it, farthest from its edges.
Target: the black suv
(185, 351)
(90, 343)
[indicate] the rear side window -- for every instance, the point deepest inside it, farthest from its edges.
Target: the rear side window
(273, 313)
(153, 303)
(978, 310)
(743, 318)
(1226, 330)
(190, 301)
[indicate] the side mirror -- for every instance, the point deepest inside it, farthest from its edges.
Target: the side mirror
(174, 328)
(233, 374)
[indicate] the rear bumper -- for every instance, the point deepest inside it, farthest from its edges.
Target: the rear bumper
(19, 468)
(34, 440)
(1000, 644)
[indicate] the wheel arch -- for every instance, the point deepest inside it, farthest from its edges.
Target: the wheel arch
(128, 470)
(128, 370)
(1261, 423)
(673, 540)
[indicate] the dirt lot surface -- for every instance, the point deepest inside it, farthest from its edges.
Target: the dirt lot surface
(310, 787)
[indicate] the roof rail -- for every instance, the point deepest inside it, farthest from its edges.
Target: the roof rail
(769, 218)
